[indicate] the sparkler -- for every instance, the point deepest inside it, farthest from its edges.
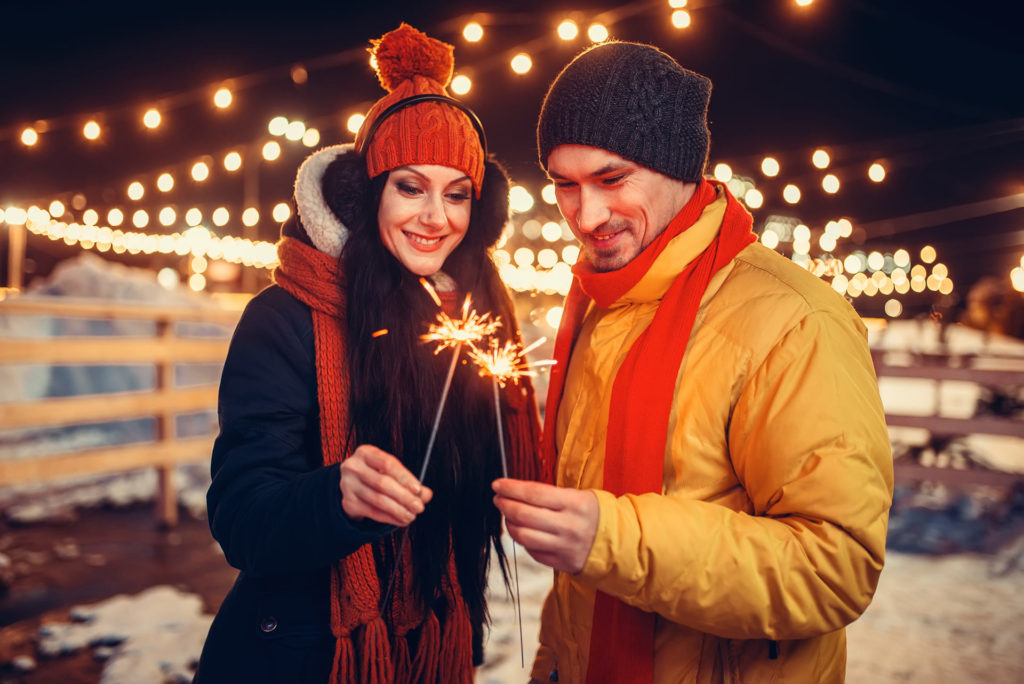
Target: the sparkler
(448, 333)
(504, 364)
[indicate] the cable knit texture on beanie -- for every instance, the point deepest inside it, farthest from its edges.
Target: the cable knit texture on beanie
(633, 100)
(409, 62)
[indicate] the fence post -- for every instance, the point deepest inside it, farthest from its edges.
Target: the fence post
(167, 495)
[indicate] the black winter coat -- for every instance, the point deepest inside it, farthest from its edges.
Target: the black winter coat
(273, 507)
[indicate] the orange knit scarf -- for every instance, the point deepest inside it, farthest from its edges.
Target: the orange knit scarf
(363, 652)
(622, 638)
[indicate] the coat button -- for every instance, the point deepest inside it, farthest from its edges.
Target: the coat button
(268, 624)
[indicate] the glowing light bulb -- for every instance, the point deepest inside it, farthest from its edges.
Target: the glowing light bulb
(250, 217)
(135, 190)
(151, 119)
(281, 211)
(232, 161)
(29, 137)
(311, 138)
(521, 63)
(547, 193)
(723, 172)
(165, 182)
(520, 199)
(56, 208)
(597, 33)
(681, 19)
(677, 4)
(91, 130)
(753, 198)
(820, 159)
(220, 216)
(830, 183)
(167, 216)
(473, 32)
(140, 219)
(193, 217)
(928, 254)
(271, 150)
(200, 171)
(278, 125)
(295, 130)
(770, 167)
(568, 30)
(222, 98)
(791, 193)
(461, 84)
(876, 172)
(354, 123)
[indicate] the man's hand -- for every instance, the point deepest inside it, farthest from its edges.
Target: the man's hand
(375, 484)
(556, 525)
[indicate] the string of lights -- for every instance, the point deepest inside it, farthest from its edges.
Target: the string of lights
(546, 269)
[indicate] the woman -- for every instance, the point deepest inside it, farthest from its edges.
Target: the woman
(328, 397)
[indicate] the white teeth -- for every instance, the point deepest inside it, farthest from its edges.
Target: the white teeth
(423, 240)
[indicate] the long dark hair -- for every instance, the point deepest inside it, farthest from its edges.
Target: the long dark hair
(396, 381)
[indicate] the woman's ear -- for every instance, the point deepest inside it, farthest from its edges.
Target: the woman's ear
(493, 205)
(345, 186)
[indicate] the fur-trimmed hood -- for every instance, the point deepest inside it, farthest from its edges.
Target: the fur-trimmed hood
(322, 225)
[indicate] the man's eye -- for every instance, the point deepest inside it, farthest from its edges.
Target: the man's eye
(563, 185)
(613, 180)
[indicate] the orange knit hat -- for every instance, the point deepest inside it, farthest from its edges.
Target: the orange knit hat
(409, 63)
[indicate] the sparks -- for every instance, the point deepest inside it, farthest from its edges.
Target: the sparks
(506, 363)
(451, 332)
(430, 290)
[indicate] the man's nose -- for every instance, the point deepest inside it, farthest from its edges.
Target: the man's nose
(593, 212)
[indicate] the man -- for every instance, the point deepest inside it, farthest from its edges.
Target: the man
(723, 468)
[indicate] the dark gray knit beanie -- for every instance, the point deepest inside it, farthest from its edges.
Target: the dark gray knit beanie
(633, 100)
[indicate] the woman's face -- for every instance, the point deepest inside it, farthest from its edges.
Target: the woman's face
(424, 214)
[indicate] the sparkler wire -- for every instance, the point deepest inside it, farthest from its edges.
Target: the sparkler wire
(515, 560)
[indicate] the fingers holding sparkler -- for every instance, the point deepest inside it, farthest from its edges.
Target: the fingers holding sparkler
(375, 485)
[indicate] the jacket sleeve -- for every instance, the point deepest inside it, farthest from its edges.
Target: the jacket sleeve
(808, 443)
(545, 662)
(272, 506)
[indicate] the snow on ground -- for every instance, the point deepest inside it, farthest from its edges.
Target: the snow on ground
(934, 620)
(153, 636)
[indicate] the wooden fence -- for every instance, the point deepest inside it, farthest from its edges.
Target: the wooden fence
(164, 402)
(1001, 373)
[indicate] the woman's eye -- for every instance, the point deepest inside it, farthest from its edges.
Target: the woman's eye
(408, 189)
(458, 196)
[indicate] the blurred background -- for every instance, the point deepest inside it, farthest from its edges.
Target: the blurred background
(147, 156)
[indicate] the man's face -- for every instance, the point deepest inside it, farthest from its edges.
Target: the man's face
(614, 207)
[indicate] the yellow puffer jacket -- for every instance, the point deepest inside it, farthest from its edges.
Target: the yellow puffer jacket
(769, 535)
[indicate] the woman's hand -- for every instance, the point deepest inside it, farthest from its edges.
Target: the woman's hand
(375, 484)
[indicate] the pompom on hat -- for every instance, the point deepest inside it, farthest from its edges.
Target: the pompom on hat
(410, 63)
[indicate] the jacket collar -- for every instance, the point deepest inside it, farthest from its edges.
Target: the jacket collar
(677, 255)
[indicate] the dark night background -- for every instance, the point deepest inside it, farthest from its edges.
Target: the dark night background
(933, 90)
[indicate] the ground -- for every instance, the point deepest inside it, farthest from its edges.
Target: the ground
(951, 618)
